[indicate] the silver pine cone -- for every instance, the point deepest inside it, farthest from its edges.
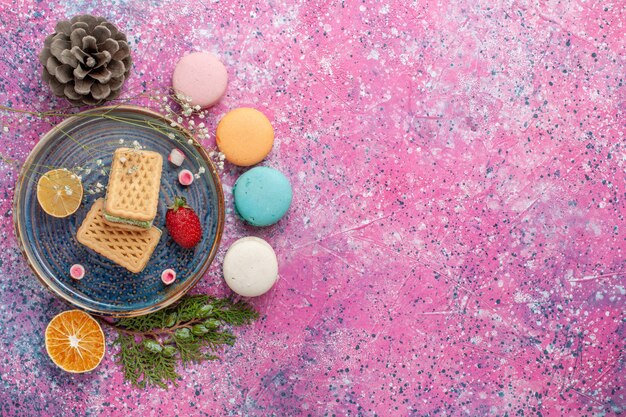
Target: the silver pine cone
(86, 60)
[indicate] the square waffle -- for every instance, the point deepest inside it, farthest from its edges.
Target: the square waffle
(133, 191)
(128, 248)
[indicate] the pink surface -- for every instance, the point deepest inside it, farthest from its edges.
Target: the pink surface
(456, 245)
(200, 76)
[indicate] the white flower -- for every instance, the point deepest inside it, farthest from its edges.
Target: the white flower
(173, 124)
(99, 185)
(201, 125)
(99, 162)
(121, 140)
(5, 129)
(171, 136)
(190, 142)
(201, 170)
(196, 176)
(197, 107)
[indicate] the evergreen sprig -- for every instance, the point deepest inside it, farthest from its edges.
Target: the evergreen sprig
(192, 331)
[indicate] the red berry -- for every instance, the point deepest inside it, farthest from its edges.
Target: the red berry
(183, 224)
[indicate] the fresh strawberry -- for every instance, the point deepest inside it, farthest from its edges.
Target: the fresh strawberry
(183, 223)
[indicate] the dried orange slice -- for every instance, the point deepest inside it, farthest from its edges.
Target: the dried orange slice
(59, 192)
(75, 341)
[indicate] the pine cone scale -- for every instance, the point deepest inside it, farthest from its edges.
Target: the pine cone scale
(100, 91)
(80, 73)
(68, 58)
(103, 75)
(64, 74)
(83, 87)
(90, 45)
(79, 54)
(77, 37)
(123, 52)
(101, 33)
(52, 64)
(58, 46)
(63, 26)
(86, 60)
(70, 92)
(110, 46)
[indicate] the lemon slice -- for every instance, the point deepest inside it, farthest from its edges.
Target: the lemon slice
(59, 192)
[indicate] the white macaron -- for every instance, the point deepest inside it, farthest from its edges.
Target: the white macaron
(250, 267)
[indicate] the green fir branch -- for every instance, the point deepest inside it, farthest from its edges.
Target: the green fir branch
(192, 331)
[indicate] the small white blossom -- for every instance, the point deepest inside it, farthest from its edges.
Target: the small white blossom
(201, 170)
(99, 162)
(171, 136)
(121, 140)
(5, 129)
(190, 142)
(196, 176)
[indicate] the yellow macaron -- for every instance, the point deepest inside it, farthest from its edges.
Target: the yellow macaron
(245, 136)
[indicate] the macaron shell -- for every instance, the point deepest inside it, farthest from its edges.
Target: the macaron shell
(245, 136)
(201, 76)
(262, 196)
(250, 267)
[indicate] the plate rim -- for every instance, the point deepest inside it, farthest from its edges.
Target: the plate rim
(192, 281)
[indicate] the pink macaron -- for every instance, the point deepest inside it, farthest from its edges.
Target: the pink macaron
(202, 77)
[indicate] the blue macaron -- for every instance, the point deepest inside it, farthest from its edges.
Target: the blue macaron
(262, 196)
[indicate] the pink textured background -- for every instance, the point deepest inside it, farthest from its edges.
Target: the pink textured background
(457, 242)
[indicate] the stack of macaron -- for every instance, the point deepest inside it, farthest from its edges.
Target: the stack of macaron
(262, 195)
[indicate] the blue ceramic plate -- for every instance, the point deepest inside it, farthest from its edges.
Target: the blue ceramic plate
(84, 144)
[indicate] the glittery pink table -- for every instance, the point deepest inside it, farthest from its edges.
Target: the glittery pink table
(457, 242)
